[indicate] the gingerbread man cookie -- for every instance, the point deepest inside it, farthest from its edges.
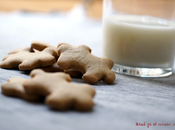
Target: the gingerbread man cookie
(27, 60)
(80, 58)
(13, 87)
(60, 93)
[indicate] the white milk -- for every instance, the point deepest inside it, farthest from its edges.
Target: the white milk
(139, 41)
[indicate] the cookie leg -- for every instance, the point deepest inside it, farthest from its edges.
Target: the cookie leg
(90, 78)
(83, 103)
(60, 101)
(109, 77)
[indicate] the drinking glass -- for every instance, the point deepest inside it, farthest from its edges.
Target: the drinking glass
(139, 36)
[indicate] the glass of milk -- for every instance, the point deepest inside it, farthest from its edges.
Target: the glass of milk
(139, 36)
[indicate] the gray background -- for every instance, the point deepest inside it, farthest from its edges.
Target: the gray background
(118, 106)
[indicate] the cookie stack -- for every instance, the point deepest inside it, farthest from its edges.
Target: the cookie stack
(44, 59)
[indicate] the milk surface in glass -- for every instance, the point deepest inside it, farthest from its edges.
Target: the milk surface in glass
(139, 41)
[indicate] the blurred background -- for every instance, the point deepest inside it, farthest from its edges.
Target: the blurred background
(93, 8)
(51, 21)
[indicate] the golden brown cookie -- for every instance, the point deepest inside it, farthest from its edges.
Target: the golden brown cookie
(26, 60)
(13, 87)
(60, 93)
(80, 58)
